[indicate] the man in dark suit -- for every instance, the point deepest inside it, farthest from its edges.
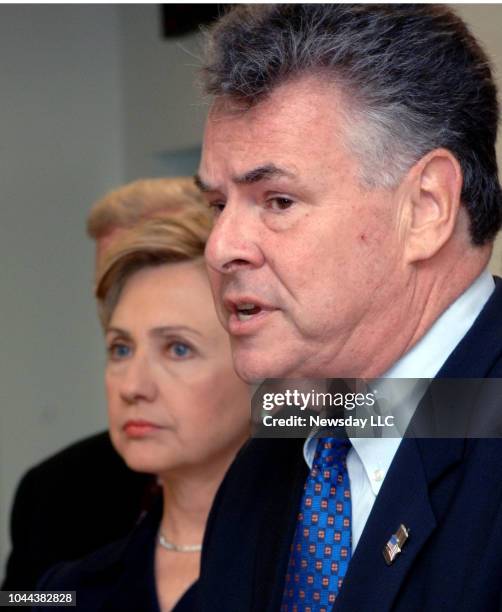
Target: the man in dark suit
(349, 156)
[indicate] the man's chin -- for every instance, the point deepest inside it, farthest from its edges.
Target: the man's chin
(253, 367)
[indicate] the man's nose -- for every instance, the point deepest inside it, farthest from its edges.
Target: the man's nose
(138, 382)
(234, 242)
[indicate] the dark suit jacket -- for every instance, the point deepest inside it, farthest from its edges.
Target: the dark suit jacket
(69, 505)
(118, 577)
(448, 492)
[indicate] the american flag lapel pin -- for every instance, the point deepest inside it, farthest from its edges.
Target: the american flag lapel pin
(395, 544)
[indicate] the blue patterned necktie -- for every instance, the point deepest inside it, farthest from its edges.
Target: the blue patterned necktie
(321, 548)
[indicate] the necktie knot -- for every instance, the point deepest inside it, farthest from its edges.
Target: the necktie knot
(331, 452)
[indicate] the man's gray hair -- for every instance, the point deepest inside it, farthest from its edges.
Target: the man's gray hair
(413, 76)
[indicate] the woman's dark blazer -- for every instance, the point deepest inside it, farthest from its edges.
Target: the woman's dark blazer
(118, 577)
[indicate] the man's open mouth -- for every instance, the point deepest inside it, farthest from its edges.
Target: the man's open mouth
(244, 312)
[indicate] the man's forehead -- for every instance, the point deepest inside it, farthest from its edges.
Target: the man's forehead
(291, 109)
(298, 129)
(243, 153)
(227, 118)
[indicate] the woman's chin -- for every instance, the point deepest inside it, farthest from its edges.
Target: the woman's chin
(144, 462)
(143, 467)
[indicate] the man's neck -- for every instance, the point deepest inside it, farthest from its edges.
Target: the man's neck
(428, 355)
(432, 289)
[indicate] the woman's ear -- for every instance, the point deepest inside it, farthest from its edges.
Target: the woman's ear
(432, 202)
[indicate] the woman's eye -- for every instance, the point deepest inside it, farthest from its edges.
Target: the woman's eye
(180, 350)
(119, 351)
(280, 203)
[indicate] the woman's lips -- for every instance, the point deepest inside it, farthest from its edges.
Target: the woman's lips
(139, 428)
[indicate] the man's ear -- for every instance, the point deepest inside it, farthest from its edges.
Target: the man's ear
(432, 192)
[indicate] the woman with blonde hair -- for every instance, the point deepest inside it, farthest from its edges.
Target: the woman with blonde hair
(176, 409)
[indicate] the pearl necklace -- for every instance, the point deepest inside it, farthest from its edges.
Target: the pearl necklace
(178, 547)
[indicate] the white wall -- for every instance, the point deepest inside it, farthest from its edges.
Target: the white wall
(164, 113)
(60, 147)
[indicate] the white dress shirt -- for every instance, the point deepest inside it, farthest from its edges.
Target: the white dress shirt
(369, 459)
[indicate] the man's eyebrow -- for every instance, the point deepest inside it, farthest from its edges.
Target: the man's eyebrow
(260, 173)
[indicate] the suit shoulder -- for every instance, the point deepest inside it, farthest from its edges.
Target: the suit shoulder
(68, 575)
(98, 446)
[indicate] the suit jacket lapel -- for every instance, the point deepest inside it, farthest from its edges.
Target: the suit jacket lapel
(403, 499)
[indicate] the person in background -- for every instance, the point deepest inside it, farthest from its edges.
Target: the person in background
(88, 484)
(349, 156)
(112, 216)
(176, 409)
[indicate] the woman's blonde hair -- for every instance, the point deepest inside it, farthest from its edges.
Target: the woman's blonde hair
(174, 234)
(145, 198)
